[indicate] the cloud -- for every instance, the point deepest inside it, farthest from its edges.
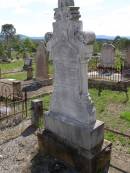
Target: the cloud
(15, 3)
(35, 17)
(88, 3)
(114, 23)
(9, 4)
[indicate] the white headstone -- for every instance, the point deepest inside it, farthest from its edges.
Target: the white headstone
(72, 114)
(107, 55)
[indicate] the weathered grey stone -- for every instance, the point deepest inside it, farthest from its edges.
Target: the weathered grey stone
(70, 49)
(77, 133)
(10, 88)
(29, 73)
(72, 114)
(72, 133)
(37, 112)
(65, 3)
(74, 156)
(27, 63)
(107, 55)
(42, 63)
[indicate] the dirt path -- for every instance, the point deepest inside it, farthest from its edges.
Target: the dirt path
(16, 154)
(36, 91)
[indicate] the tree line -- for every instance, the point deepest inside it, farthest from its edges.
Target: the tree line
(10, 42)
(120, 44)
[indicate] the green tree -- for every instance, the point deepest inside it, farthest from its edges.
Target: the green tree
(118, 60)
(8, 32)
(97, 46)
(116, 41)
(121, 42)
(29, 45)
(1, 49)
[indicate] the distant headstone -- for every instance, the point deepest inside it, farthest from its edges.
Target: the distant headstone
(27, 63)
(107, 55)
(42, 63)
(5, 59)
(127, 58)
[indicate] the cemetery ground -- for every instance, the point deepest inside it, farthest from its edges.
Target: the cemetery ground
(112, 108)
(15, 70)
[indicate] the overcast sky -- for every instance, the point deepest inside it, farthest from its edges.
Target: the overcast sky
(35, 17)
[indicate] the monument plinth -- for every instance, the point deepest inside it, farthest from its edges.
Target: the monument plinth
(72, 115)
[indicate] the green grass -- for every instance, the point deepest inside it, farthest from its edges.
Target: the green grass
(110, 136)
(17, 76)
(125, 116)
(118, 140)
(46, 102)
(18, 64)
(13, 66)
(51, 68)
(109, 107)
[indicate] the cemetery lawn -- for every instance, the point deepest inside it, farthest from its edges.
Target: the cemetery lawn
(18, 76)
(16, 65)
(111, 107)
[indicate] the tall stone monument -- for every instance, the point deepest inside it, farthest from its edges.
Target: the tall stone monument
(42, 63)
(107, 55)
(72, 132)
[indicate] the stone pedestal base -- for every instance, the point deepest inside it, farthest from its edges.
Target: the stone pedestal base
(78, 158)
(45, 82)
(29, 73)
(76, 133)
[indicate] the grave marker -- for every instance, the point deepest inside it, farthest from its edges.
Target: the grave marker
(107, 55)
(72, 132)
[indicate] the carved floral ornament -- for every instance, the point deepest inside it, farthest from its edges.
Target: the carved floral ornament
(68, 13)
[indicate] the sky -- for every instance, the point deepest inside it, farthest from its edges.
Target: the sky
(35, 17)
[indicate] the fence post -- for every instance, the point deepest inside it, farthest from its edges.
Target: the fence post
(16, 89)
(26, 104)
(0, 73)
(37, 112)
(29, 73)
